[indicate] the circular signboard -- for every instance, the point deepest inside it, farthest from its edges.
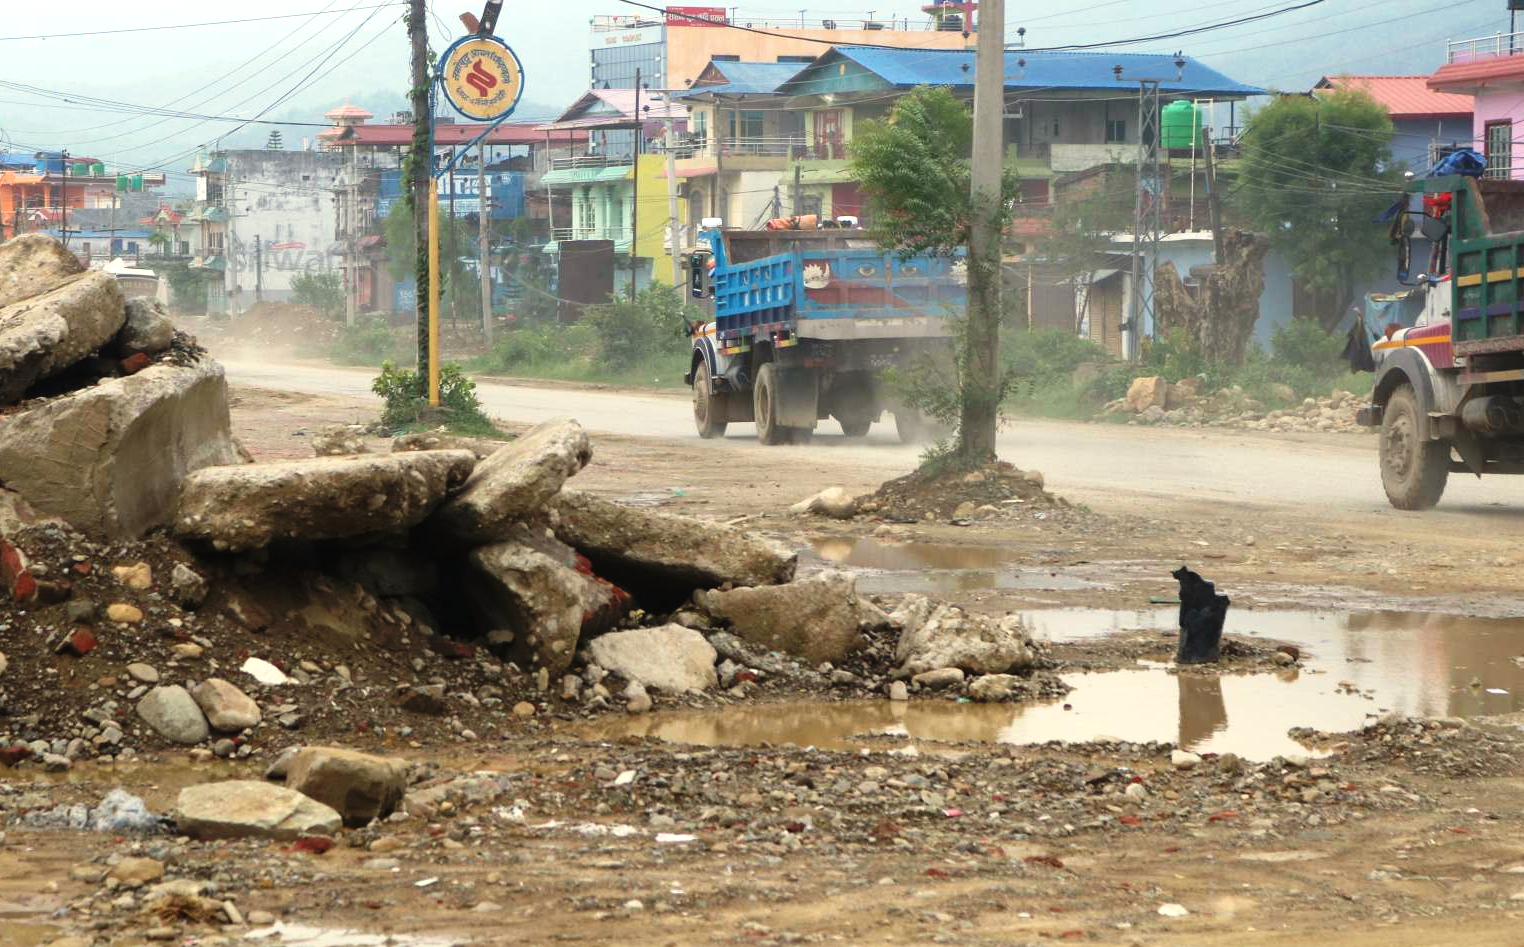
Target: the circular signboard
(482, 78)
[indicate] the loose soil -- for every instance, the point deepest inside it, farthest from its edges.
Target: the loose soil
(1406, 833)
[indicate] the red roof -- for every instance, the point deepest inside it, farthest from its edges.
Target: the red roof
(1406, 97)
(348, 111)
(508, 133)
(1472, 74)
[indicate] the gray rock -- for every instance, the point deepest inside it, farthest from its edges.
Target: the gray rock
(281, 765)
(637, 700)
(122, 813)
(110, 459)
(898, 691)
(939, 678)
(188, 586)
(943, 636)
(390, 572)
(440, 440)
(341, 441)
(143, 672)
(547, 606)
(516, 482)
(834, 502)
(174, 714)
(248, 808)
(226, 707)
(45, 334)
(669, 550)
(817, 618)
(671, 658)
(235, 509)
(358, 786)
(32, 264)
(147, 330)
(994, 688)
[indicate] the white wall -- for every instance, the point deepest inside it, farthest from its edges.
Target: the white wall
(281, 197)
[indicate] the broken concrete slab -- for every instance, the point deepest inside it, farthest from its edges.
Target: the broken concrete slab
(943, 636)
(359, 786)
(45, 334)
(244, 808)
(110, 459)
(32, 264)
(238, 508)
(548, 605)
(441, 440)
(817, 618)
(634, 547)
(516, 482)
(146, 331)
(670, 658)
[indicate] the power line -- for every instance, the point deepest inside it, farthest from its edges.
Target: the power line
(183, 26)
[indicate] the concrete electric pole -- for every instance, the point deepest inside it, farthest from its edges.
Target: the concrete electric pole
(421, 167)
(981, 386)
(484, 242)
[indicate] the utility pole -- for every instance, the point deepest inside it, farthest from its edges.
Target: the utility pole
(635, 185)
(420, 167)
(352, 222)
(674, 250)
(1214, 200)
(259, 270)
(65, 199)
(450, 271)
(1147, 226)
(981, 382)
(484, 242)
(794, 207)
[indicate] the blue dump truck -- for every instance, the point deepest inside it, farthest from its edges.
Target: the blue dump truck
(805, 319)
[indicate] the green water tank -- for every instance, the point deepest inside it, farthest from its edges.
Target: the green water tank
(1180, 126)
(98, 169)
(123, 182)
(137, 182)
(82, 169)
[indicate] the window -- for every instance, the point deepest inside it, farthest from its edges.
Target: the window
(808, 204)
(798, 59)
(726, 57)
(751, 124)
(1499, 143)
(700, 126)
(1116, 130)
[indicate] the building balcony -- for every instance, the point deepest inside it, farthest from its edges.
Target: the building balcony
(1484, 47)
(585, 162)
(619, 236)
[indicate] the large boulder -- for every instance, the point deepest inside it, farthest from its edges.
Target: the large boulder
(818, 618)
(226, 707)
(359, 786)
(147, 330)
(45, 334)
(547, 602)
(514, 483)
(944, 636)
(110, 459)
(174, 713)
(670, 658)
(668, 549)
(32, 264)
(244, 507)
(244, 808)
(1145, 393)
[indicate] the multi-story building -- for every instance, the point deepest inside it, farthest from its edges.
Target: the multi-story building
(47, 192)
(1491, 69)
(1426, 124)
(672, 49)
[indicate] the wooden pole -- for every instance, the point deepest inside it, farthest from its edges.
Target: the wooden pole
(1214, 201)
(484, 243)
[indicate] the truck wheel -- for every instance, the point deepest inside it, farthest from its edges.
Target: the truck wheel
(709, 409)
(1413, 470)
(855, 426)
(765, 399)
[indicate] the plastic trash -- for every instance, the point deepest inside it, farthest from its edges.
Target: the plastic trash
(123, 813)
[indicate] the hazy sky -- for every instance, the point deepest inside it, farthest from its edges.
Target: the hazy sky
(243, 69)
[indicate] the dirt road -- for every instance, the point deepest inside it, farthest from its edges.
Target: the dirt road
(1098, 464)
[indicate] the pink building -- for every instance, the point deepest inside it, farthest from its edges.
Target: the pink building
(1490, 68)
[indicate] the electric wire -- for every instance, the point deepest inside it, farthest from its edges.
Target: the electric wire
(179, 26)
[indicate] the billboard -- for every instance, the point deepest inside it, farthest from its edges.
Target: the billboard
(695, 16)
(638, 36)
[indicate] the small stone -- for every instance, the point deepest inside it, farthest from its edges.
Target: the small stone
(1135, 791)
(136, 872)
(143, 673)
(188, 651)
(638, 700)
(124, 614)
(1173, 910)
(1180, 759)
(898, 691)
(387, 843)
(523, 709)
(138, 577)
(260, 918)
(189, 587)
(940, 678)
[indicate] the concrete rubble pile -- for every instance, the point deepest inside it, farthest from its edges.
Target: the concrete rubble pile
(1186, 403)
(251, 579)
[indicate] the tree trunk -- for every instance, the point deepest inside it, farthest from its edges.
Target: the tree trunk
(1220, 317)
(979, 370)
(421, 170)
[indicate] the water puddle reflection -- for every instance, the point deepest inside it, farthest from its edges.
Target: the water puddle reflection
(888, 567)
(1355, 665)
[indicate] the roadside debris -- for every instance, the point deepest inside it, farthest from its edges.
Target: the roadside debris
(1202, 613)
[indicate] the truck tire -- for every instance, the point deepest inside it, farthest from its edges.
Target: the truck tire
(765, 399)
(1413, 470)
(855, 426)
(710, 413)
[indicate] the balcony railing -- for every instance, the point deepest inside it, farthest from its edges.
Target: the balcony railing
(589, 161)
(1484, 47)
(590, 233)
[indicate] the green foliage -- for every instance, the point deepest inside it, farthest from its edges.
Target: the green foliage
(405, 394)
(914, 170)
(635, 329)
(322, 291)
(368, 342)
(1080, 238)
(1315, 172)
(187, 285)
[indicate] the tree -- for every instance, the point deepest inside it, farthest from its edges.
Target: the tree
(274, 142)
(322, 291)
(914, 168)
(1315, 173)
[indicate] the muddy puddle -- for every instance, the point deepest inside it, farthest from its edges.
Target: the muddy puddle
(885, 566)
(1355, 666)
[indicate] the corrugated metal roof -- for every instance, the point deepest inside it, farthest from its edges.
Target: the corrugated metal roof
(1406, 97)
(748, 78)
(615, 108)
(1023, 69)
(586, 175)
(1475, 73)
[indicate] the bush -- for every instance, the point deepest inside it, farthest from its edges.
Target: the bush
(405, 393)
(629, 330)
(539, 348)
(367, 342)
(321, 291)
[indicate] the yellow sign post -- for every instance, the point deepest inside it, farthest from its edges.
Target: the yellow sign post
(483, 80)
